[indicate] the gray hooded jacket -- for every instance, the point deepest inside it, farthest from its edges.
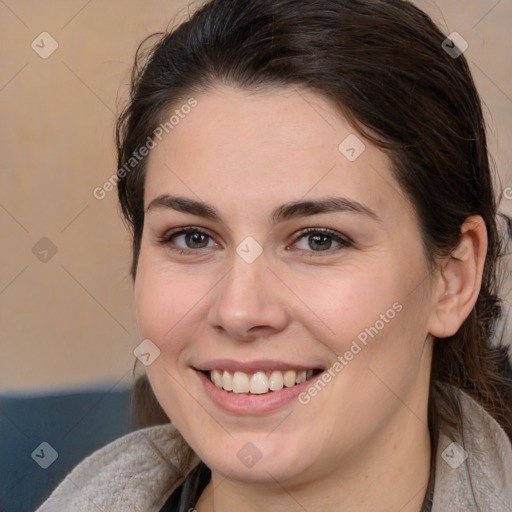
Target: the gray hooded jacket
(139, 471)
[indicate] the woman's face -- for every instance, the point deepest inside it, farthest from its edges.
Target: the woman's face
(302, 255)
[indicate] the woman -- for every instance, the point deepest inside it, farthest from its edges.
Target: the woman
(315, 253)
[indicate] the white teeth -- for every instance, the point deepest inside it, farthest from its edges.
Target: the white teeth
(227, 381)
(258, 383)
(216, 378)
(240, 383)
(275, 382)
(289, 378)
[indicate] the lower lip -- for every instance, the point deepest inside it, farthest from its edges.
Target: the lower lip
(246, 403)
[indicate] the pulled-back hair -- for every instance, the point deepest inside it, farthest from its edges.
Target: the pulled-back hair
(382, 63)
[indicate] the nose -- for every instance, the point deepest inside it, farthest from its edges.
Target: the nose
(249, 301)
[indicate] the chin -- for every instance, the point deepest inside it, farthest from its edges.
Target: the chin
(254, 458)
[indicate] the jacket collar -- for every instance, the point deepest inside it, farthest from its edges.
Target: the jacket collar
(474, 469)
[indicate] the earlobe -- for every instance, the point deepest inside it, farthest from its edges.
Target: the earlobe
(460, 279)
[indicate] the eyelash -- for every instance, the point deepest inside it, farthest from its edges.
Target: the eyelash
(344, 242)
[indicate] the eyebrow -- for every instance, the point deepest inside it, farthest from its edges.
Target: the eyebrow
(284, 212)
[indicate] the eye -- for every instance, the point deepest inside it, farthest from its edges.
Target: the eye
(187, 240)
(313, 240)
(321, 240)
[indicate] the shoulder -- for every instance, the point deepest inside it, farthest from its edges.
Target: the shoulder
(135, 472)
(474, 470)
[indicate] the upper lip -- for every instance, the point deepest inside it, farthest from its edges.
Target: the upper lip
(231, 365)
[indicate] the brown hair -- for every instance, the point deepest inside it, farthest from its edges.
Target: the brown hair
(383, 64)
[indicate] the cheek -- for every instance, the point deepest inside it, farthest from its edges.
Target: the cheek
(156, 306)
(165, 307)
(167, 302)
(166, 296)
(342, 306)
(372, 320)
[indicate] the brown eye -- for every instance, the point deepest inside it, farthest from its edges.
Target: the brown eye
(320, 240)
(195, 240)
(187, 240)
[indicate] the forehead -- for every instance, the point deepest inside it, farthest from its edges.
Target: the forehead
(257, 148)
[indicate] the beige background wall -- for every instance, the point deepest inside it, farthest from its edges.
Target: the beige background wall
(69, 321)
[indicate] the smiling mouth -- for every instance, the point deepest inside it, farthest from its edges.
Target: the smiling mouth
(261, 382)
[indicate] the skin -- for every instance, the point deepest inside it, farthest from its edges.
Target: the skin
(362, 443)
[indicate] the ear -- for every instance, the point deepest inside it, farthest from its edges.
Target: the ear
(460, 279)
